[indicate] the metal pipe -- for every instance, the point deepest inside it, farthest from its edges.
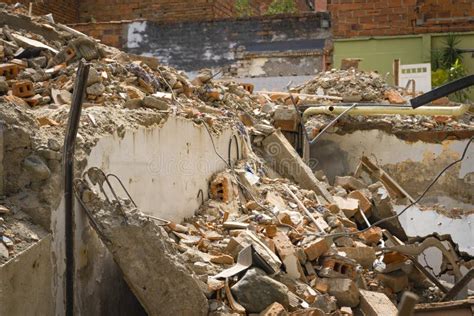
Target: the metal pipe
(389, 109)
(68, 160)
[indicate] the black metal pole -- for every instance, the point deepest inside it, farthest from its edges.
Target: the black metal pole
(442, 91)
(68, 159)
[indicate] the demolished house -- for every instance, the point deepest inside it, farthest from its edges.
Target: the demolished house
(199, 197)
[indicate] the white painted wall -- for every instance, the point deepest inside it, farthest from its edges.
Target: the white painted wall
(25, 282)
(163, 168)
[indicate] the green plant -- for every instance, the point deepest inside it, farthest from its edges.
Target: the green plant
(447, 66)
(436, 59)
(243, 8)
(450, 53)
(281, 6)
(439, 77)
(457, 71)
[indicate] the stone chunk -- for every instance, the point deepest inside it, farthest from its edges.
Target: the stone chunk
(93, 77)
(349, 183)
(133, 104)
(4, 210)
(3, 251)
(155, 103)
(376, 304)
(3, 87)
(345, 291)
(96, 89)
(317, 248)
(256, 291)
(36, 167)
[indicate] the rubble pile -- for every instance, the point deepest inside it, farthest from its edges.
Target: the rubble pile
(272, 239)
(393, 124)
(38, 71)
(17, 233)
(351, 85)
(263, 245)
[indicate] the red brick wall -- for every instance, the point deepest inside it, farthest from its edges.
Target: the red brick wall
(109, 33)
(352, 18)
(168, 10)
(64, 11)
(153, 10)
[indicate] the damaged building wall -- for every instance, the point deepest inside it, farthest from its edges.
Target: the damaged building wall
(163, 168)
(194, 45)
(412, 164)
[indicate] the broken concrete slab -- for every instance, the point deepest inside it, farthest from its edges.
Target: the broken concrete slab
(349, 183)
(285, 160)
(150, 264)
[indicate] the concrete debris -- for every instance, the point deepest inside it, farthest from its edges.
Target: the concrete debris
(161, 281)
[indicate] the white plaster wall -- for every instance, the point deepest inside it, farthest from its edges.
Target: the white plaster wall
(163, 168)
(388, 149)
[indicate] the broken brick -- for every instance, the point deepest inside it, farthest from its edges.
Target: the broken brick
(394, 97)
(365, 256)
(338, 267)
(9, 71)
(364, 203)
(394, 257)
(275, 309)
(396, 280)
(222, 259)
(318, 247)
(23, 89)
(221, 188)
(287, 253)
(348, 205)
(371, 236)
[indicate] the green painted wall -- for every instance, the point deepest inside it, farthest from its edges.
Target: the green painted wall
(378, 53)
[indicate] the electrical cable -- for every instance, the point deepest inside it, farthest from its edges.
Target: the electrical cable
(414, 202)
